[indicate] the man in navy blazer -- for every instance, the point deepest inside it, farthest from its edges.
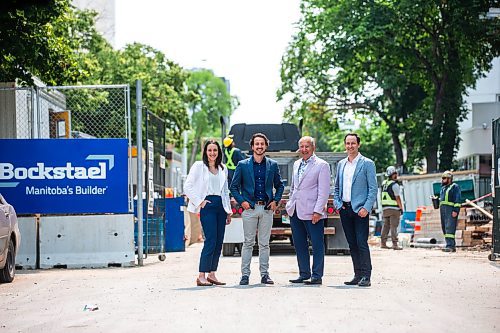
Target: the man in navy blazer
(252, 187)
(354, 195)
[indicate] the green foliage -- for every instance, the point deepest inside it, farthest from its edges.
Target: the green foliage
(163, 83)
(212, 101)
(60, 45)
(375, 142)
(31, 42)
(408, 63)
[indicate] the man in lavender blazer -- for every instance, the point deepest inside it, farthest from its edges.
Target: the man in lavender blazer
(309, 191)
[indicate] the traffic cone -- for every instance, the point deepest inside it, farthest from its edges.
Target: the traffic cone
(418, 216)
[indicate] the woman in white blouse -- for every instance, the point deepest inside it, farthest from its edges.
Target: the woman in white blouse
(207, 190)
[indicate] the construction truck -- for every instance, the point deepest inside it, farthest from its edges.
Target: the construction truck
(283, 148)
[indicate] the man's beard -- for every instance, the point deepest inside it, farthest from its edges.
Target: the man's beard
(258, 152)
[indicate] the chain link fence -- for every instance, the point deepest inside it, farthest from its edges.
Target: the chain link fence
(66, 112)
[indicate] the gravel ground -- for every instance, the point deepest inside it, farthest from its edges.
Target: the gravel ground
(414, 290)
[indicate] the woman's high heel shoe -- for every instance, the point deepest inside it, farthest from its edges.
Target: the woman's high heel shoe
(202, 284)
(217, 283)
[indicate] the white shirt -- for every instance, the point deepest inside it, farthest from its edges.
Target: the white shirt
(196, 187)
(214, 186)
(349, 169)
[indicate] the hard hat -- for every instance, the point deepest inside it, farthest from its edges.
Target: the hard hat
(228, 140)
(390, 171)
(447, 174)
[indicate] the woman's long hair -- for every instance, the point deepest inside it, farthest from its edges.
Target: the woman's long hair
(218, 160)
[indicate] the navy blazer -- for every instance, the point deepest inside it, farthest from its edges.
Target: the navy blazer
(243, 184)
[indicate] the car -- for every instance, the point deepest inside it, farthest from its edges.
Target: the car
(10, 238)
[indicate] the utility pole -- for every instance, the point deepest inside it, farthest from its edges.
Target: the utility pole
(138, 106)
(184, 157)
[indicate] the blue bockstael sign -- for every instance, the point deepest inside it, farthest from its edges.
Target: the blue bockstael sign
(54, 176)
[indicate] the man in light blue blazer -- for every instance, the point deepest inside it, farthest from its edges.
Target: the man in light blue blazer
(354, 195)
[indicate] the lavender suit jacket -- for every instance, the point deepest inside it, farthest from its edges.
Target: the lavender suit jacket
(310, 195)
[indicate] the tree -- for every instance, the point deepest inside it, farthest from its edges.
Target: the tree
(375, 143)
(408, 63)
(213, 101)
(374, 134)
(60, 44)
(164, 83)
(31, 43)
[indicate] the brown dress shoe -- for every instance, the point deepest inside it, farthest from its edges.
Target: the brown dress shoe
(217, 283)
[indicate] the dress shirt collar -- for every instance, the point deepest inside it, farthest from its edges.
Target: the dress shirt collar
(310, 159)
(255, 162)
(355, 160)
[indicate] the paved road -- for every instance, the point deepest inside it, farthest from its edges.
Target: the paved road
(415, 290)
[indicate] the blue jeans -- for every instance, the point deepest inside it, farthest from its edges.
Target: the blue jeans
(213, 220)
(356, 231)
(448, 225)
(301, 231)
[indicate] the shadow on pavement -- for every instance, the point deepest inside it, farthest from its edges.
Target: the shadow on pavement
(349, 287)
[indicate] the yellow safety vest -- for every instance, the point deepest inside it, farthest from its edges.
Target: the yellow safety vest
(387, 200)
(446, 201)
(229, 163)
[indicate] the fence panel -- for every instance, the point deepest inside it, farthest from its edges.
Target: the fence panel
(154, 217)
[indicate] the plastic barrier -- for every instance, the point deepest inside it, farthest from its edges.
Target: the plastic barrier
(407, 222)
(174, 224)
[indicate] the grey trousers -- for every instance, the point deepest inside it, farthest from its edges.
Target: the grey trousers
(256, 221)
(391, 222)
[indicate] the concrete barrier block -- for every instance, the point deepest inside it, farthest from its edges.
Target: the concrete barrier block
(87, 241)
(26, 255)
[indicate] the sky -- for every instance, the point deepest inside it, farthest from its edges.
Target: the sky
(240, 40)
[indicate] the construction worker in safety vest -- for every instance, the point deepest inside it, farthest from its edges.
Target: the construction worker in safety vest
(232, 156)
(391, 208)
(449, 207)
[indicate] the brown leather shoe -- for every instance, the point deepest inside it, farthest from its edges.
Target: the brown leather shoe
(202, 284)
(217, 283)
(384, 246)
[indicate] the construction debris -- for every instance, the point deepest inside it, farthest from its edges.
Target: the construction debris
(474, 228)
(478, 229)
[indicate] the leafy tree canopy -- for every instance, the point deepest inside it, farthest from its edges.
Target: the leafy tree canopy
(408, 63)
(59, 44)
(31, 42)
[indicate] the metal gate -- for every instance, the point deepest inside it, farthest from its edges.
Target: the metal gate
(495, 252)
(154, 212)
